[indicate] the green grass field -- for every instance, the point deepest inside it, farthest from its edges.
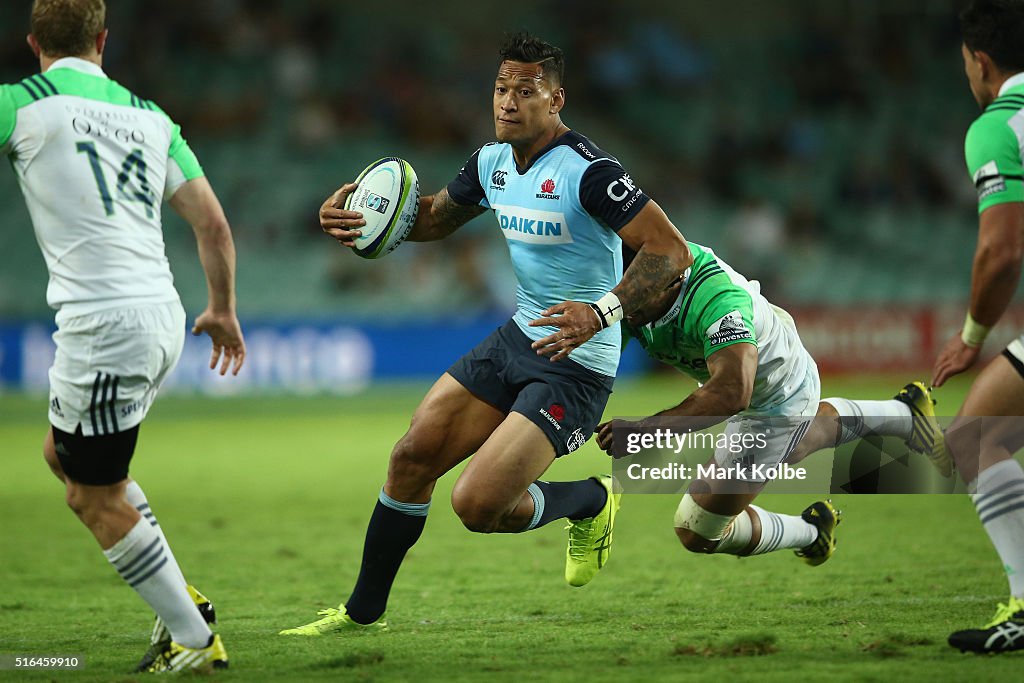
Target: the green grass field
(265, 503)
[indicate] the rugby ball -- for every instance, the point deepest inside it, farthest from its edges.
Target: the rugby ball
(388, 196)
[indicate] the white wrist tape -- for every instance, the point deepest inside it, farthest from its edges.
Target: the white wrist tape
(973, 333)
(609, 309)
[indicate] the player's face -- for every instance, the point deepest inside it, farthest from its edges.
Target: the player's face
(972, 67)
(525, 103)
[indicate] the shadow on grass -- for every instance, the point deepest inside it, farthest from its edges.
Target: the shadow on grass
(745, 646)
(894, 645)
(351, 661)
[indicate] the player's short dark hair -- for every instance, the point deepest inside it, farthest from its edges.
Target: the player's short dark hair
(67, 28)
(523, 47)
(995, 27)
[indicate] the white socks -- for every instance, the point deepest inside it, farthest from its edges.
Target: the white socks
(860, 418)
(998, 496)
(144, 560)
(133, 492)
(778, 532)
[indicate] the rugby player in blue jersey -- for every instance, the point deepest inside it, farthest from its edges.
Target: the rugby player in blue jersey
(535, 389)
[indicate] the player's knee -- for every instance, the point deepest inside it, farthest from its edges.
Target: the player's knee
(82, 502)
(93, 504)
(414, 460)
(694, 542)
(478, 513)
(695, 526)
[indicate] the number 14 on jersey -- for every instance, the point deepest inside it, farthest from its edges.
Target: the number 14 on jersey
(139, 191)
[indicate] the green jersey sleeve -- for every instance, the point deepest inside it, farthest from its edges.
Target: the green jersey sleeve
(183, 155)
(182, 164)
(8, 115)
(727, 319)
(993, 160)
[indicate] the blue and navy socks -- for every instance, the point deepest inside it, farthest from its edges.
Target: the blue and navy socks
(565, 499)
(394, 528)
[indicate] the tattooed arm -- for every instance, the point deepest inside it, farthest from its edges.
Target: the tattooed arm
(440, 216)
(661, 257)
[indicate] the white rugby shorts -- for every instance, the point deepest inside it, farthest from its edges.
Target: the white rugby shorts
(1015, 354)
(110, 364)
(774, 432)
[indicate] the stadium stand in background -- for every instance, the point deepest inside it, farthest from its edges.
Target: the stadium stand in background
(817, 146)
(820, 151)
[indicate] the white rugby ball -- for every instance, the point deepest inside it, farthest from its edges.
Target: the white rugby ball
(388, 196)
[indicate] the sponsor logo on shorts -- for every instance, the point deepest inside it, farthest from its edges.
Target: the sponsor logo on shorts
(133, 407)
(988, 180)
(576, 439)
(547, 190)
(554, 414)
(728, 328)
(55, 407)
(377, 203)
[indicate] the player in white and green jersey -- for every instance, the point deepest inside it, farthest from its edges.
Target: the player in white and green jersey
(94, 162)
(753, 371)
(983, 446)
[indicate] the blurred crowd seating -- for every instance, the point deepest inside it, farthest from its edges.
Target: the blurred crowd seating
(815, 146)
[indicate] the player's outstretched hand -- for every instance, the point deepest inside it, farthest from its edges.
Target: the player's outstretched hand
(226, 335)
(340, 224)
(954, 359)
(605, 433)
(576, 322)
(604, 436)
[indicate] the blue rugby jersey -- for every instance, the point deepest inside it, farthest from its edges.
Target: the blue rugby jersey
(559, 216)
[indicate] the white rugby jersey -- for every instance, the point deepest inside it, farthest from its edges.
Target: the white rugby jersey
(94, 162)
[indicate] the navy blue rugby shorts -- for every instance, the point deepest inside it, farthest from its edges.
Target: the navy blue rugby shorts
(564, 399)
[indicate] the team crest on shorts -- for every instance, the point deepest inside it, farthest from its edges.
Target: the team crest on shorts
(575, 440)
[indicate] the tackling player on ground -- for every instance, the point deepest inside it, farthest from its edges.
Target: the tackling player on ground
(715, 326)
(993, 52)
(94, 161)
(565, 207)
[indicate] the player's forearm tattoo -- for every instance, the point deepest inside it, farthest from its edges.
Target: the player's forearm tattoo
(649, 274)
(449, 215)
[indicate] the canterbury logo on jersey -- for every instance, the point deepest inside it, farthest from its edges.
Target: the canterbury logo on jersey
(101, 407)
(530, 225)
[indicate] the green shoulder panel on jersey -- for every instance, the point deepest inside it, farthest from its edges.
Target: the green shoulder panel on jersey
(76, 83)
(727, 319)
(992, 151)
(17, 95)
(183, 155)
(715, 309)
(8, 114)
(180, 152)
